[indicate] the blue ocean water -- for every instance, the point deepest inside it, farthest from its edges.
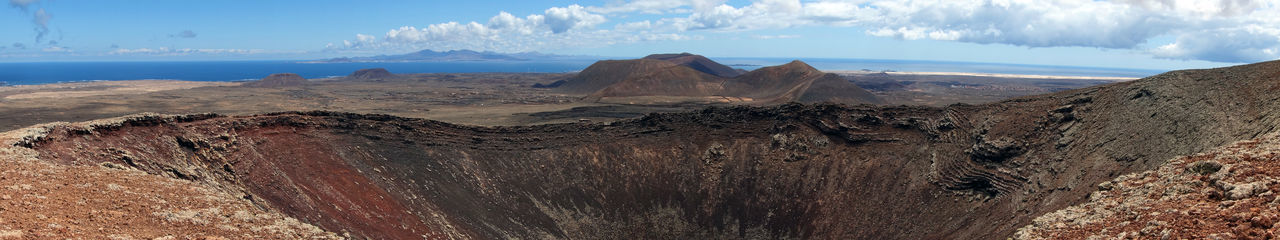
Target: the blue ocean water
(55, 72)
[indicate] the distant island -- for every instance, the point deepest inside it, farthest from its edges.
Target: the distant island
(452, 56)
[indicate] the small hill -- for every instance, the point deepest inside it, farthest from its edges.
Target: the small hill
(669, 81)
(774, 81)
(371, 74)
(604, 73)
(698, 62)
(834, 88)
(278, 80)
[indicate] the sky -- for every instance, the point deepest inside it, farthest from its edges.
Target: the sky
(1142, 34)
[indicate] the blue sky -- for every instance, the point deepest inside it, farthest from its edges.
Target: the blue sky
(1149, 34)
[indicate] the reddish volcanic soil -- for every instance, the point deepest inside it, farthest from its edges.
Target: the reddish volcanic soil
(1229, 193)
(44, 200)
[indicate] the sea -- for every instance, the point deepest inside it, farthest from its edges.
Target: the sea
(31, 73)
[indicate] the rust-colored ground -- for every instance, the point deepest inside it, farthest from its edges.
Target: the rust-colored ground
(44, 200)
(1228, 193)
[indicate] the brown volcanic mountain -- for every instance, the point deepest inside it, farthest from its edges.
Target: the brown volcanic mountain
(698, 62)
(673, 80)
(797, 81)
(788, 171)
(604, 73)
(372, 74)
(632, 80)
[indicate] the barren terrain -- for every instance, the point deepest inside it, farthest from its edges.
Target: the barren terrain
(360, 157)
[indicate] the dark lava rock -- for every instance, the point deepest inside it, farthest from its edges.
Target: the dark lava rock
(996, 151)
(550, 85)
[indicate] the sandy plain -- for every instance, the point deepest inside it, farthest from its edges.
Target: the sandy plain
(487, 99)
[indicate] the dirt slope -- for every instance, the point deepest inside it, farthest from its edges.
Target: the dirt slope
(40, 199)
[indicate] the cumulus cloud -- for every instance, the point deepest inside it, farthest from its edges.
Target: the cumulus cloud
(19, 46)
(555, 28)
(163, 51)
(1243, 44)
(1203, 27)
(574, 16)
(1213, 30)
(656, 6)
(184, 34)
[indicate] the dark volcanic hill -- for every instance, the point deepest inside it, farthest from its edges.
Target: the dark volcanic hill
(371, 74)
(666, 80)
(698, 62)
(787, 171)
(278, 80)
(604, 73)
(650, 77)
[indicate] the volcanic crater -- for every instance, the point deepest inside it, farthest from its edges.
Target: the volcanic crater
(786, 171)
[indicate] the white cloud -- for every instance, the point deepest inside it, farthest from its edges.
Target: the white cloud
(572, 17)
(1121, 24)
(656, 6)
(1214, 30)
(55, 49)
(784, 36)
(164, 51)
(1249, 44)
(557, 28)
